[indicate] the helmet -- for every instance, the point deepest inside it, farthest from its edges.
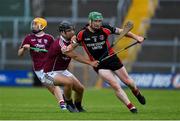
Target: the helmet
(65, 26)
(40, 22)
(95, 16)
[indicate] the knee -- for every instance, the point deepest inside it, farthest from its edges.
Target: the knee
(82, 88)
(69, 83)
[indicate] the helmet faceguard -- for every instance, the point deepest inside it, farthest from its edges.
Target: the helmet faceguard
(38, 24)
(66, 26)
(95, 20)
(66, 29)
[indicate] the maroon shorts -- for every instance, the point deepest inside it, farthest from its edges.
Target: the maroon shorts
(113, 63)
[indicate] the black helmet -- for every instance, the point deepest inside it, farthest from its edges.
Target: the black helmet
(65, 26)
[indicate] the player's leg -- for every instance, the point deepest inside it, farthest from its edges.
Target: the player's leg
(60, 79)
(123, 75)
(67, 92)
(79, 90)
(111, 79)
(68, 84)
(57, 92)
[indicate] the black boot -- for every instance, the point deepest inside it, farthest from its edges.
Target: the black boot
(79, 107)
(70, 106)
(141, 99)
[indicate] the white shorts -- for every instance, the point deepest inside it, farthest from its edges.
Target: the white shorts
(48, 78)
(40, 74)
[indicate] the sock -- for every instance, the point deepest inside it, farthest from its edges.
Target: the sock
(61, 102)
(69, 102)
(64, 98)
(78, 104)
(135, 91)
(130, 106)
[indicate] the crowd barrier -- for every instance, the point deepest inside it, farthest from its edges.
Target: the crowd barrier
(153, 80)
(143, 80)
(16, 78)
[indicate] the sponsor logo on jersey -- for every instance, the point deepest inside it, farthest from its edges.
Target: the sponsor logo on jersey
(39, 40)
(33, 40)
(97, 45)
(94, 38)
(87, 39)
(45, 41)
(40, 46)
(101, 37)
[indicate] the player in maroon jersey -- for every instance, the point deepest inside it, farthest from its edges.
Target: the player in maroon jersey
(94, 39)
(55, 68)
(39, 39)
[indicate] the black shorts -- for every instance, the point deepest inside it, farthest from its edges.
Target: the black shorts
(113, 63)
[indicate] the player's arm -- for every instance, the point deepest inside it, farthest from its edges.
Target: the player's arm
(116, 30)
(140, 39)
(77, 39)
(73, 44)
(22, 49)
(81, 59)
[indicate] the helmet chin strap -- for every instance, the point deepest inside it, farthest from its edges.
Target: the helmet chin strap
(93, 29)
(96, 29)
(36, 31)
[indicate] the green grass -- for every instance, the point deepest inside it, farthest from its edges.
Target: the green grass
(38, 103)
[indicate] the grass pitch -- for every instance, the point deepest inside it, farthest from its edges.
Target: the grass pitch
(38, 103)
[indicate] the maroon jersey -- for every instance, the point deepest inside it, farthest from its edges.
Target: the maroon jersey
(56, 60)
(42, 42)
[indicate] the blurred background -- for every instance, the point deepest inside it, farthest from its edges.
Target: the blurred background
(154, 64)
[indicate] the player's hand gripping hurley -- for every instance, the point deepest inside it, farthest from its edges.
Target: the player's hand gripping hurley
(120, 51)
(127, 27)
